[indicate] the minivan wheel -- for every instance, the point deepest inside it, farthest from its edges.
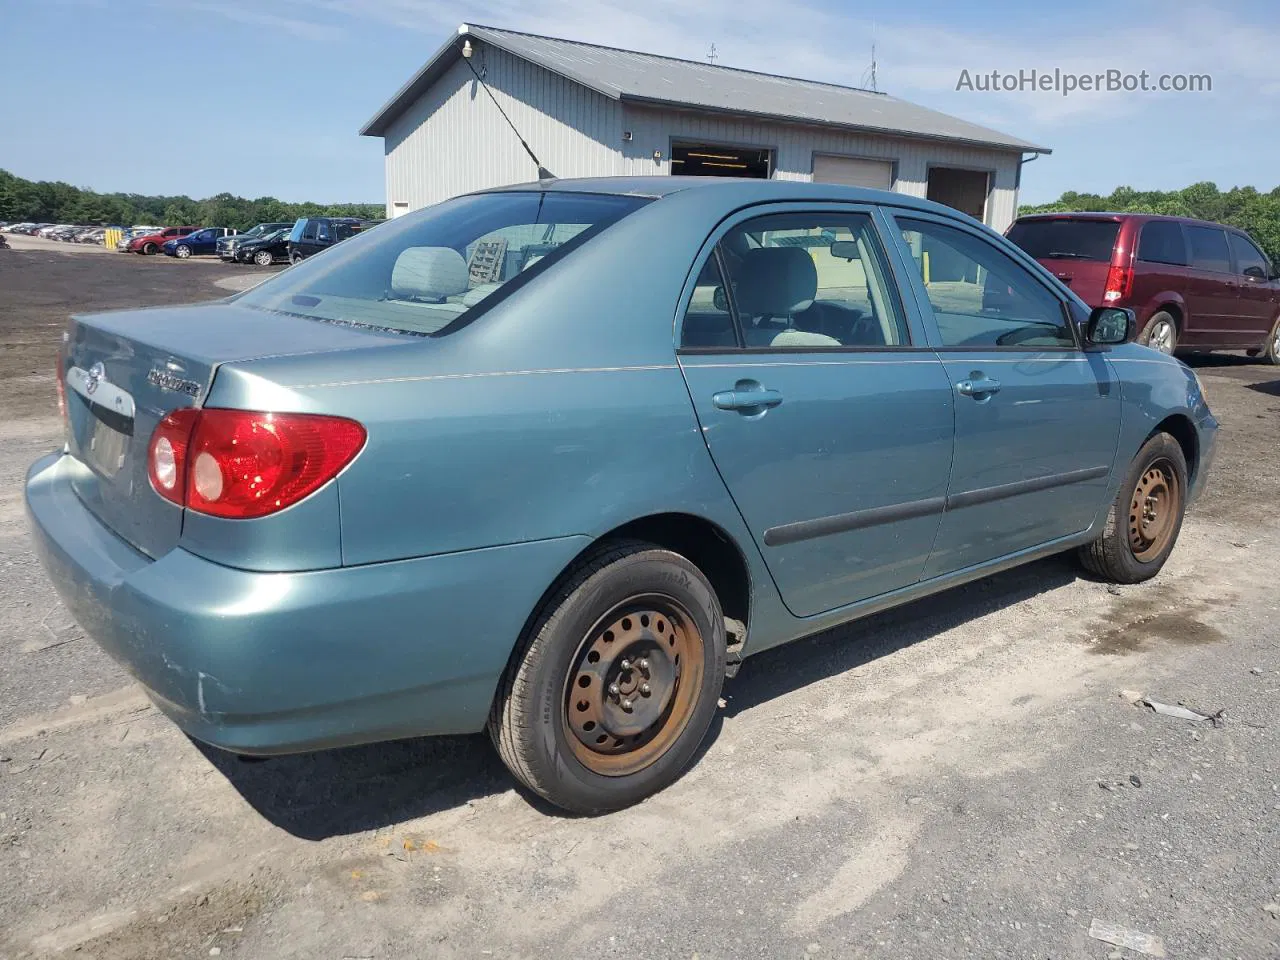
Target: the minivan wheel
(262, 258)
(1271, 352)
(617, 681)
(1160, 333)
(1143, 523)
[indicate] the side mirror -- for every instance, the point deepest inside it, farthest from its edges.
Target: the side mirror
(720, 299)
(1255, 272)
(1110, 325)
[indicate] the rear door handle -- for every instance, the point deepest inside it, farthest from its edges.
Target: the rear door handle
(979, 386)
(747, 397)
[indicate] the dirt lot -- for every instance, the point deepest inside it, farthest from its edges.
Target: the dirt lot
(955, 779)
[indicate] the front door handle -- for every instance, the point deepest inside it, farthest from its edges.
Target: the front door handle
(979, 386)
(747, 396)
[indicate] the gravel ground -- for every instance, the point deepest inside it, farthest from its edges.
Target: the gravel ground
(958, 778)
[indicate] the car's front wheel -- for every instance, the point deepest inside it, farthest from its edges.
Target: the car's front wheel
(262, 258)
(149, 248)
(617, 680)
(1160, 333)
(182, 251)
(1144, 520)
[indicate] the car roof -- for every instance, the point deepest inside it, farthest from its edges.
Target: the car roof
(737, 189)
(1106, 215)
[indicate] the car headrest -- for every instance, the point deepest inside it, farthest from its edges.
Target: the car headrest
(804, 338)
(429, 273)
(775, 280)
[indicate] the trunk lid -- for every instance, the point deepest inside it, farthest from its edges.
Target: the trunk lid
(124, 371)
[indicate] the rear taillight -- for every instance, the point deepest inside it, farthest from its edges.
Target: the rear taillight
(1119, 278)
(61, 383)
(240, 464)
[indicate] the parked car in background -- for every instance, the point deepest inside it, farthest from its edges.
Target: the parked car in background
(1194, 285)
(310, 235)
(265, 250)
(198, 243)
(823, 433)
(149, 243)
(227, 246)
(137, 230)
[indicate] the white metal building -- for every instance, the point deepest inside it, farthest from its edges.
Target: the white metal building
(590, 111)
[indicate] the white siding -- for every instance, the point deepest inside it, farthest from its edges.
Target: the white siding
(454, 140)
(795, 145)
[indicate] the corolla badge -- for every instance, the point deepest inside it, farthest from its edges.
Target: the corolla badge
(97, 374)
(162, 378)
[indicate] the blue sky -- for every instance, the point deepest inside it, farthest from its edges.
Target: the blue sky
(264, 97)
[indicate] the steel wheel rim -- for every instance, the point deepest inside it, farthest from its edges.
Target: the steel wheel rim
(633, 685)
(1162, 337)
(1153, 510)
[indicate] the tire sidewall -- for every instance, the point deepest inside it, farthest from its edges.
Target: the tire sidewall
(1160, 447)
(262, 258)
(148, 249)
(182, 251)
(1269, 352)
(647, 572)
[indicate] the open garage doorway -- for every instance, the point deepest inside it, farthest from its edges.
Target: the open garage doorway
(965, 190)
(696, 160)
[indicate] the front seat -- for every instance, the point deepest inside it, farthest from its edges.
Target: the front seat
(776, 288)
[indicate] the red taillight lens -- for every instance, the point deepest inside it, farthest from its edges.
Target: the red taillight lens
(61, 383)
(241, 464)
(1119, 283)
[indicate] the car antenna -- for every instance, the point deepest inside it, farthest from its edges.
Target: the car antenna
(543, 172)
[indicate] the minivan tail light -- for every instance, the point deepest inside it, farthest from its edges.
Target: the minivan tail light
(242, 464)
(1119, 283)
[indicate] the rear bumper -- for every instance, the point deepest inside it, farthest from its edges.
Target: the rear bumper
(263, 663)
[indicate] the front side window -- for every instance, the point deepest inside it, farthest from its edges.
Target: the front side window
(420, 273)
(1250, 261)
(1161, 242)
(323, 231)
(797, 281)
(1209, 249)
(980, 296)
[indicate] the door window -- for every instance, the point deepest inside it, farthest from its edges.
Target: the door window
(980, 296)
(1161, 242)
(309, 232)
(796, 281)
(1209, 249)
(323, 233)
(1250, 261)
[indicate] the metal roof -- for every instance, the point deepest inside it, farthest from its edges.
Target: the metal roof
(646, 78)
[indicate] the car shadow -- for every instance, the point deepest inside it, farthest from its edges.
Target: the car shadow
(331, 793)
(1270, 387)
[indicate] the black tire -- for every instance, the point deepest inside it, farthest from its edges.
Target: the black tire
(294, 258)
(1160, 320)
(1115, 555)
(263, 258)
(182, 251)
(148, 249)
(529, 722)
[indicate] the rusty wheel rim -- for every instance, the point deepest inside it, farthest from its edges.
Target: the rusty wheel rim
(633, 685)
(1154, 510)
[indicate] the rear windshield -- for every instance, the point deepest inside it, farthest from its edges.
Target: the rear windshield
(421, 272)
(1066, 239)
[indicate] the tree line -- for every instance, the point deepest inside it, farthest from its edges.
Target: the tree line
(54, 202)
(1243, 207)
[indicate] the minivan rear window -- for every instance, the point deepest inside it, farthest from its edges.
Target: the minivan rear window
(1066, 239)
(431, 270)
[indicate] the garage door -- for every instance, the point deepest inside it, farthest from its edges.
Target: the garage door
(877, 174)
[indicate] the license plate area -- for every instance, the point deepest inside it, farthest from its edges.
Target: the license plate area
(105, 418)
(107, 449)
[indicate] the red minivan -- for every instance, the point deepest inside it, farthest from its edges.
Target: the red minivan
(1194, 285)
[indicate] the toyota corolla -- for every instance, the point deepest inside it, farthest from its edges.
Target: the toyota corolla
(551, 460)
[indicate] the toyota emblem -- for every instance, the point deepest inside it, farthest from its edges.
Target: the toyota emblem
(97, 374)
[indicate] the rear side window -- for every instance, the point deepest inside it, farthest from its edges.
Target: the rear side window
(1161, 242)
(1209, 249)
(1066, 239)
(431, 270)
(1250, 261)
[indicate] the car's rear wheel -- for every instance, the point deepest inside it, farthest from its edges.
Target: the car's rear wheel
(617, 680)
(1144, 520)
(262, 258)
(182, 251)
(1160, 333)
(149, 248)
